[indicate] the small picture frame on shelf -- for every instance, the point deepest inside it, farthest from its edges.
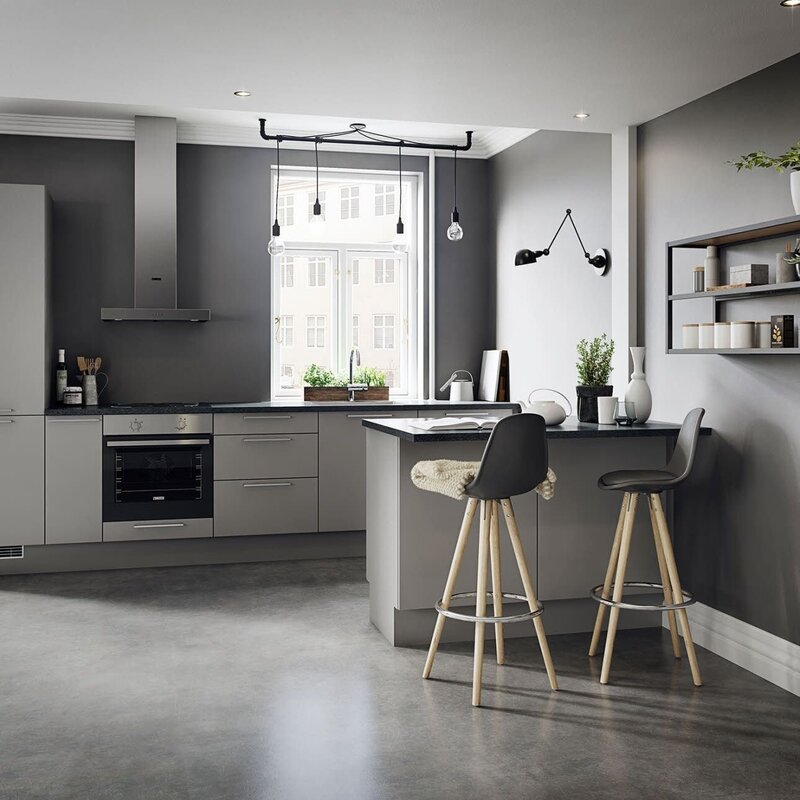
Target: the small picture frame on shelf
(782, 330)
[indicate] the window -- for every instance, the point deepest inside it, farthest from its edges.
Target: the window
(384, 270)
(287, 376)
(354, 272)
(316, 271)
(311, 199)
(383, 331)
(389, 375)
(286, 210)
(287, 330)
(355, 330)
(287, 272)
(349, 196)
(384, 199)
(315, 331)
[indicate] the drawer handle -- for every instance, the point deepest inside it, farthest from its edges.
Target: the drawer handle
(162, 525)
(466, 413)
(60, 421)
(266, 485)
(282, 439)
(368, 416)
(6, 421)
(6, 410)
(270, 416)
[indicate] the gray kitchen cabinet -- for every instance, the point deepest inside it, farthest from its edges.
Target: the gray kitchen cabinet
(21, 480)
(148, 529)
(265, 422)
(25, 347)
(343, 468)
(73, 480)
(265, 456)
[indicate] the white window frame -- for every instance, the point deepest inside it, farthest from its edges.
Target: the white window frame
(382, 192)
(380, 271)
(383, 327)
(313, 325)
(286, 210)
(350, 202)
(287, 330)
(317, 264)
(355, 336)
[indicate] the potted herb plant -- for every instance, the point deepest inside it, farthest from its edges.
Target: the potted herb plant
(594, 369)
(789, 160)
(322, 384)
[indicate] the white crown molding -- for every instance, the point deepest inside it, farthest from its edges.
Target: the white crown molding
(764, 654)
(486, 143)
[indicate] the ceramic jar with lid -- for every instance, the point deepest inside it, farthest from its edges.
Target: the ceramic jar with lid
(762, 335)
(722, 335)
(706, 335)
(742, 335)
(691, 336)
(73, 395)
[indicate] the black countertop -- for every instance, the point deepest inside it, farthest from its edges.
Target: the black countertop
(569, 429)
(287, 405)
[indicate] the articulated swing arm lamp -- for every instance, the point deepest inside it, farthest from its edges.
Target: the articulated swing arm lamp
(599, 260)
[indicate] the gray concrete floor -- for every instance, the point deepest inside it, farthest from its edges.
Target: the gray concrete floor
(267, 681)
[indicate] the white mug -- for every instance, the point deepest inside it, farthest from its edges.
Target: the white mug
(607, 410)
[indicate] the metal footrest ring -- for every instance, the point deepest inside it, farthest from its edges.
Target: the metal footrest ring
(446, 612)
(597, 594)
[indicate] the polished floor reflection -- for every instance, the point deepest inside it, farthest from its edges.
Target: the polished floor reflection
(266, 681)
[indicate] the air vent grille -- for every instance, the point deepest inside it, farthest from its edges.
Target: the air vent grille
(12, 551)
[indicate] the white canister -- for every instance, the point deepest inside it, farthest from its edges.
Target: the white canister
(762, 335)
(742, 335)
(706, 335)
(722, 336)
(607, 410)
(691, 336)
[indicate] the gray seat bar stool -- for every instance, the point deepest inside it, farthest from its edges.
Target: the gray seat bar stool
(633, 483)
(514, 463)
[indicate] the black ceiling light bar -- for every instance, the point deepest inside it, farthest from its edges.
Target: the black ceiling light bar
(599, 260)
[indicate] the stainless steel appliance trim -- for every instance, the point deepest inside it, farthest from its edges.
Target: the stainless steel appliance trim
(273, 439)
(158, 443)
(158, 424)
(162, 525)
(266, 485)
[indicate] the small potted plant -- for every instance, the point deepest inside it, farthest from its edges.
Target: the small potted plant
(322, 384)
(789, 160)
(594, 369)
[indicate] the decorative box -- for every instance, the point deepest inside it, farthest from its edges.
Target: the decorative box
(782, 330)
(751, 274)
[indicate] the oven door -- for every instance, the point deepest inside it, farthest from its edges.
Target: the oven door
(158, 477)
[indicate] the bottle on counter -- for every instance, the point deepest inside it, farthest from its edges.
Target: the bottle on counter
(61, 376)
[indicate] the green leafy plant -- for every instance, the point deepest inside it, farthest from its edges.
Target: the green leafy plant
(318, 376)
(370, 376)
(594, 361)
(789, 160)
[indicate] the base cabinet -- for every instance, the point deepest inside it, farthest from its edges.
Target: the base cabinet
(73, 480)
(21, 480)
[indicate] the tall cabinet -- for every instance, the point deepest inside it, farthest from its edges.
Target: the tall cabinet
(24, 359)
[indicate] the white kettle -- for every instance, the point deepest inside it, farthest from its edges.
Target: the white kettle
(553, 412)
(461, 389)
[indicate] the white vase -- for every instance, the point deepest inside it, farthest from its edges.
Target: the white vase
(638, 392)
(794, 182)
(712, 266)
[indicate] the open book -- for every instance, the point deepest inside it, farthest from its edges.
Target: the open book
(455, 424)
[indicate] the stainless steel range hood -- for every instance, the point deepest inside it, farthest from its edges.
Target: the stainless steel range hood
(155, 291)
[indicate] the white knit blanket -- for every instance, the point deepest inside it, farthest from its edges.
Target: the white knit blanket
(450, 478)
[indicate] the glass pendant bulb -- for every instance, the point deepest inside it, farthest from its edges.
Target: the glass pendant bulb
(455, 233)
(276, 247)
(400, 241)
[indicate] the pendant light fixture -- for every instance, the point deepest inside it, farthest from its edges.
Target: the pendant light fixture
(276, 247)
(400, 243)
(316, 216)
(455, 233)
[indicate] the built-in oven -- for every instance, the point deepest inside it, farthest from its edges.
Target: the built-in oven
(157, 467)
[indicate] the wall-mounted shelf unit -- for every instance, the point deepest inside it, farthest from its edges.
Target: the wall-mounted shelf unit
(787, 226)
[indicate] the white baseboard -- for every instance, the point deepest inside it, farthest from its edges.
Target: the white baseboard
(764, 654)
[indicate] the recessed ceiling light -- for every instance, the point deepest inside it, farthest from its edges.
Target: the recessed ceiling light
(242, 93)
(790, 3)
(584, 115)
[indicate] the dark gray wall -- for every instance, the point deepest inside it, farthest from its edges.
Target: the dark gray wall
(738, 523)
(544, 309)
(223, 227)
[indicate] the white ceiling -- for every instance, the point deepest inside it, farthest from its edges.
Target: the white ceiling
(467, 63)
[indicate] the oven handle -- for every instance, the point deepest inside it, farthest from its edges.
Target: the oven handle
(159, 443)
(162, 525)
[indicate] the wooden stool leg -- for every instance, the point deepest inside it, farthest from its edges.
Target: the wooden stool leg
(458, 555)
(612, 565)
(675, 582)
(497, 583)
(522, 564)
(480, 605)
(619, 579)
(662, 568)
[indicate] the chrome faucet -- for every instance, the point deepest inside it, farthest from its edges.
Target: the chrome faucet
(352, 388)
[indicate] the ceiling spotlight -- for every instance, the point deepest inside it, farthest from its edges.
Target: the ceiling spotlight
(584, 115)
(790, 3)
(242, 93)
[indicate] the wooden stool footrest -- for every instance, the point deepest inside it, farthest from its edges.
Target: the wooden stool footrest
(523, 617)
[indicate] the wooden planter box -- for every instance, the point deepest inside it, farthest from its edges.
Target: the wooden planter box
(334, 393)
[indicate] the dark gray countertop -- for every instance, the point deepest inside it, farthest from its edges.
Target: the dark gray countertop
(288, 405)
(569, 429)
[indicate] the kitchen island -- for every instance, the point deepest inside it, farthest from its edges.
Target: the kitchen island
(411, 533)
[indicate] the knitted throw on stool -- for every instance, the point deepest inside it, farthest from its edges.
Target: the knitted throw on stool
(450, 478)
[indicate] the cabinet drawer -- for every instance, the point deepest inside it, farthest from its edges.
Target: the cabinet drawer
(250, 508)
(466, 412)
(162, 529)
(266, 422)
(270, 456)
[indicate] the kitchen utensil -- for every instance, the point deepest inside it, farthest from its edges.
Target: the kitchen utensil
(81, 364)
(607, 410)
(461, 389)
(553, 412)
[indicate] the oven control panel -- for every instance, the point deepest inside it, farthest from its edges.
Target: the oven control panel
(156, 424)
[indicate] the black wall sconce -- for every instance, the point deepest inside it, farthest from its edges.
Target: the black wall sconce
(599, 260)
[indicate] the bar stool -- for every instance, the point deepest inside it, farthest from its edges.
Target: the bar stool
(652, 483)
(514, 462)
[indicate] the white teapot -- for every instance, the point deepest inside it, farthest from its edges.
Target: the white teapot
(553, 412)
